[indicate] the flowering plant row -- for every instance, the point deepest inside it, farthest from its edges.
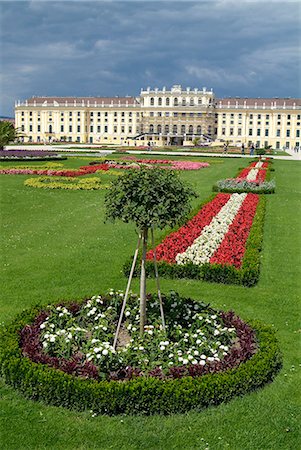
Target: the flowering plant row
(170, 164)
(66, 183)
(105, 166)
(255, 360)
(251, 179)
(222, 242)
(36, 155)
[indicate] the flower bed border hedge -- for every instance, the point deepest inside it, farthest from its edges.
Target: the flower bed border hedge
(247, 275)
(139, 395)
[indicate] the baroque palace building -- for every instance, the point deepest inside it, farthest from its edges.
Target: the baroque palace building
(162, 117)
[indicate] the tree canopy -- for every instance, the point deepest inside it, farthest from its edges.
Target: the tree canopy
(148, 197)
(8, 133)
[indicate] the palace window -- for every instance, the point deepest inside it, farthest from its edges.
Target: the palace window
(223, 131)
(231, 131)
(98, 129)
(297, 133)
(183, 129)
(175, 129)
(160, 101)
(166, 129)
(199, 129)
(190, 129)
(62, 128)
(239, 131)
(278, 133)
(167, 102)
(152, 101)
(39, 127)
(30, 127)
(288, 133)
(176, 102)
(258, 132)
(78, 128)
(115, 129)
(159, 129)
(266, 133)
(70, 128)
(91, 129)
(151, 128)
(250, 132)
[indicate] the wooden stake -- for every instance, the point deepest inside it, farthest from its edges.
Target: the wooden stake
(143, 282)
(127, 292)
(157, 278)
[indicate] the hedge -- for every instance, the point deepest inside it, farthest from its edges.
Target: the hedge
(247, 275)
(143, 395)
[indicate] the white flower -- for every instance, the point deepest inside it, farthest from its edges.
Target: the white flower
(105, 352)
(42, 326)
(203, 356)
(185, 361)
(162, 347)
(202, 362)
(127, 313)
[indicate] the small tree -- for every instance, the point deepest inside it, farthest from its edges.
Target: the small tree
(196, 141)
(148, 197)
(8, 133)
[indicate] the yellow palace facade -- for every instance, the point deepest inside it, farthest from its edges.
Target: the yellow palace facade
(161, 117)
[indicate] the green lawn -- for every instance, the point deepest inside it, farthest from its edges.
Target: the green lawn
(56, 246)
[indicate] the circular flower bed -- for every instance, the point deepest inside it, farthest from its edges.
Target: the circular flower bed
(204, 357)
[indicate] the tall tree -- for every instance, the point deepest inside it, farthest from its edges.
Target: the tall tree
(8, 133)
(148, 197)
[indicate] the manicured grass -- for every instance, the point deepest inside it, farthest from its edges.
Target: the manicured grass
(55, 246)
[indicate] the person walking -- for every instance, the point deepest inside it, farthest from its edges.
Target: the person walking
(242, 149)
(252, 149)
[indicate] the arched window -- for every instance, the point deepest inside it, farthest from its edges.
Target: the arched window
(152, 101)
(176, 102)
(159, 129)
(200, 101)
(50, 128)
(191, 102)
(175, 129)
(160, 101)
(166, 129)
(199, 129)
(184, 101)
(167, 102)
(190, 129)
(183, 129)
(151, 128)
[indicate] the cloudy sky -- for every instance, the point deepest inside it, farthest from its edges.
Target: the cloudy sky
(105, 48)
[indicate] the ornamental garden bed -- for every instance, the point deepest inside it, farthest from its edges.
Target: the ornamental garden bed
(106, 165)
(221, 243)
(63, 355)
(66, 183)
(255, 178)
(35, 155)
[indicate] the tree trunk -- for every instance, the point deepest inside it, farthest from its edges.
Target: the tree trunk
(143, 282)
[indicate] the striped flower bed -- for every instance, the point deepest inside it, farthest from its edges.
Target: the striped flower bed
(255, 172)
(220, 243)
(251, 179)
